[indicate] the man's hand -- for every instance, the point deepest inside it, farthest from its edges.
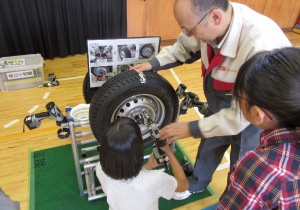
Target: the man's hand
(175, 131)
(142, 67)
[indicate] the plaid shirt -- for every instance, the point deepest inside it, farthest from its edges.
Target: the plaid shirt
(267, 178)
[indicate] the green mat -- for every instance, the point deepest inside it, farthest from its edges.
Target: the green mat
(53, 183)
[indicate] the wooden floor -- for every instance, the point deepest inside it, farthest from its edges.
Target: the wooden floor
(14, 144)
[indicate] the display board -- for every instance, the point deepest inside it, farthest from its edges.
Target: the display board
(108, 57)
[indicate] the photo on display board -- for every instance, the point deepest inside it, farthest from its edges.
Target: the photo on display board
(109, 57)
(146, 50)
(100, 73)
(126, 52)
(125, 67)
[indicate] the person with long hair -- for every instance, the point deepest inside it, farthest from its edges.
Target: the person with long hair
(127, 183)
(267, 90)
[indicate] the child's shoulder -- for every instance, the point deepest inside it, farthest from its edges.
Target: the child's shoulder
(251, 158)
(146, 172)
(155, 175)
(156, 178)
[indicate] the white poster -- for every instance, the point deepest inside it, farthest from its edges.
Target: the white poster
(108, 57)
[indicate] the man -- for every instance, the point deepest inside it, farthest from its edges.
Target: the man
(224, 35)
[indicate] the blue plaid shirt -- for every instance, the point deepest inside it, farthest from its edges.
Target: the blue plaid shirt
(267, 178)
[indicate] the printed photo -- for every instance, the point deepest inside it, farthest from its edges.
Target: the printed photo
(146, 51)
(126, 52)
(100, 54)
(125, 67)
(101, 73)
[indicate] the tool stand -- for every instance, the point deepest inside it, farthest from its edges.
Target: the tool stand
(84, 165)
(81, 159)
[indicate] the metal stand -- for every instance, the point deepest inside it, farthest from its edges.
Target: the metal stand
(88, 163)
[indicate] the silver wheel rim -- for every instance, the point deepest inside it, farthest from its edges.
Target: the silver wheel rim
(136, 104)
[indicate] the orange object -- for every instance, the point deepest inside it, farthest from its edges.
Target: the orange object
(296, 29)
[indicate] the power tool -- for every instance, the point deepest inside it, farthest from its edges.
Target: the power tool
(160, 156)
(187, 167)
(34, 121)
(52, 81)
(190, 100)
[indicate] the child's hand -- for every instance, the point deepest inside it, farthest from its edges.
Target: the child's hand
(166, 148)
(151, 163)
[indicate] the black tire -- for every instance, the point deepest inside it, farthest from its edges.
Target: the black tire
(124, 52)
(147, 51)
(125, 95)
(88, 92)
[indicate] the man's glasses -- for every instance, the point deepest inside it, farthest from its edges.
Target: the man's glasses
(188, 33)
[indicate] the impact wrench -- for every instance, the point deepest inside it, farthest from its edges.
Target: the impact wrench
(160, 156)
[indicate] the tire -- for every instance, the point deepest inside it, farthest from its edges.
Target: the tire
(125, 96)
(124, 52)
(88, 92)
(147, 51)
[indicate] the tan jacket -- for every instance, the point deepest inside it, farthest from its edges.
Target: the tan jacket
(250, 33)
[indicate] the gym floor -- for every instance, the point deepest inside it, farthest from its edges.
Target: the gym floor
(70, 71)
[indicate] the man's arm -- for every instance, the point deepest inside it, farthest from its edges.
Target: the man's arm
(226, 122)
(185, 50)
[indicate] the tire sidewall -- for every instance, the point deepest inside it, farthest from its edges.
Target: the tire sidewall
(103, 105)
(88, 92)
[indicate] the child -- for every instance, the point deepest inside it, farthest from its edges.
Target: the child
(126, 182)
(267, 89)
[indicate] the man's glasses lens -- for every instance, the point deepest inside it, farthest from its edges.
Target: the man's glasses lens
(186, 32)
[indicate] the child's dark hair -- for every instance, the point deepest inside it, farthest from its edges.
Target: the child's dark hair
(271, 80)
(122, 149)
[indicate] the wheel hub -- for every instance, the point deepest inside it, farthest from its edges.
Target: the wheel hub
(138, 105)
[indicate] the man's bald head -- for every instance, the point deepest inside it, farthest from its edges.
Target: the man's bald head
(214, 16)
(200, 6)
(184, 12)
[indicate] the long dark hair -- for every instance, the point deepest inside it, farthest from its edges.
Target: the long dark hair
(271, 80)
(122, 149)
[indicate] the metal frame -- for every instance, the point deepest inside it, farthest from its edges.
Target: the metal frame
(88, 166)
(87, 162)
